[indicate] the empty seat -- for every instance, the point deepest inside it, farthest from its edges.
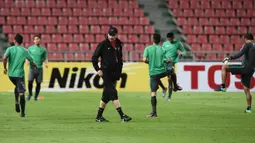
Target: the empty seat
(62, 47)
(202, 39)
(31, 20)
(62, 20)
(11, 20)
(46, 12)
(72, 29)
(236, 39)
(21, 20)
(52, 47)
(198, 29)
(50, 29)
(39, 29)
(35, 12)
(46, 38)
(62, 29)
(217, 47)
(78, 38)
(138, 29)
(230, 30)
(67, 38)
(73, 47)
(83, 29)
(42, 21)
(149, 30)
(187, 29)
(56, 38)
(224, 39)
(7, 29)
(214, 39)
(73, 20)
(220, 30)
(211, 56)
(209, 30)
(84, 46)
(196, 47)
(52, 21)
(15, 11)
(89, 38)
(95, 29)
(206, 47)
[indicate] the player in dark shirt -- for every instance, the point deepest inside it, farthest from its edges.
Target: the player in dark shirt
(246, 69)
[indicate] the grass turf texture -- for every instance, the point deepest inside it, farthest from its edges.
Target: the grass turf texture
(70, 117)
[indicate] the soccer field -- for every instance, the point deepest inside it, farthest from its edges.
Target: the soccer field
(70, 117)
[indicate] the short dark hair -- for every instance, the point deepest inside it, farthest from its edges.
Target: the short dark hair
(19, 38)
(248, 36)
(170, 35)
(157, 38)
(37, 35)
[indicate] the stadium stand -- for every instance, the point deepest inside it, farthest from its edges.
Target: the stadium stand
(214, 25)
(72, 27)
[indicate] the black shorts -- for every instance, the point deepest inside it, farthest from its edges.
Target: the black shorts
(245, 72)
(19, 84)
(109, 92)
(155, 79)
(37, 74)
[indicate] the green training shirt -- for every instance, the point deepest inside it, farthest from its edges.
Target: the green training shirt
(17, 56)
(39, 55)
(156, 56)
(172, 48)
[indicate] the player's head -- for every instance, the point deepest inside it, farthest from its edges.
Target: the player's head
(112, 33)
(18, 39)
(156, 38)
(37, 39)
(170, 36)
(248, 37)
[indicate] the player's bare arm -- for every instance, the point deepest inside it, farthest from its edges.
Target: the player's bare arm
(45, 62)
(5, 64)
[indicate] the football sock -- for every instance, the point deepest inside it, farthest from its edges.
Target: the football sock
(22, 103)
(30, 88)
(100, 112)
(154, 104)
(170, 87)
(37, 90)
(120, 111)
(174, 79)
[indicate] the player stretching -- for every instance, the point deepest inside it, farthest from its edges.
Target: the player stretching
(154, 55)
(40, 56)
(246, 69)
(174, 50)
(16, 56)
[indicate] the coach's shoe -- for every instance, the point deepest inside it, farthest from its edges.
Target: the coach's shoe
(28, 97)
(220, 89)
(168, 99)
(152, 115)
(22, 115)
(164, 92)
(125, 118)
(36, 99)
(101, 119)
(17, 107)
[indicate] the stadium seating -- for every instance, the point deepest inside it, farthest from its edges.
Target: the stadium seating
(214, 23)
(73, 25)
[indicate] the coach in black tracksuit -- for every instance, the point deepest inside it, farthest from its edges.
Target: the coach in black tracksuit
(110, 52)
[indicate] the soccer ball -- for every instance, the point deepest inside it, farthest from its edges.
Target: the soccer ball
(226, 62)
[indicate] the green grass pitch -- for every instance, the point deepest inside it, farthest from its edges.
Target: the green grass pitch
(70, 118)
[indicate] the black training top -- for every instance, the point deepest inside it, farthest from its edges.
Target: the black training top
(248, 53)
